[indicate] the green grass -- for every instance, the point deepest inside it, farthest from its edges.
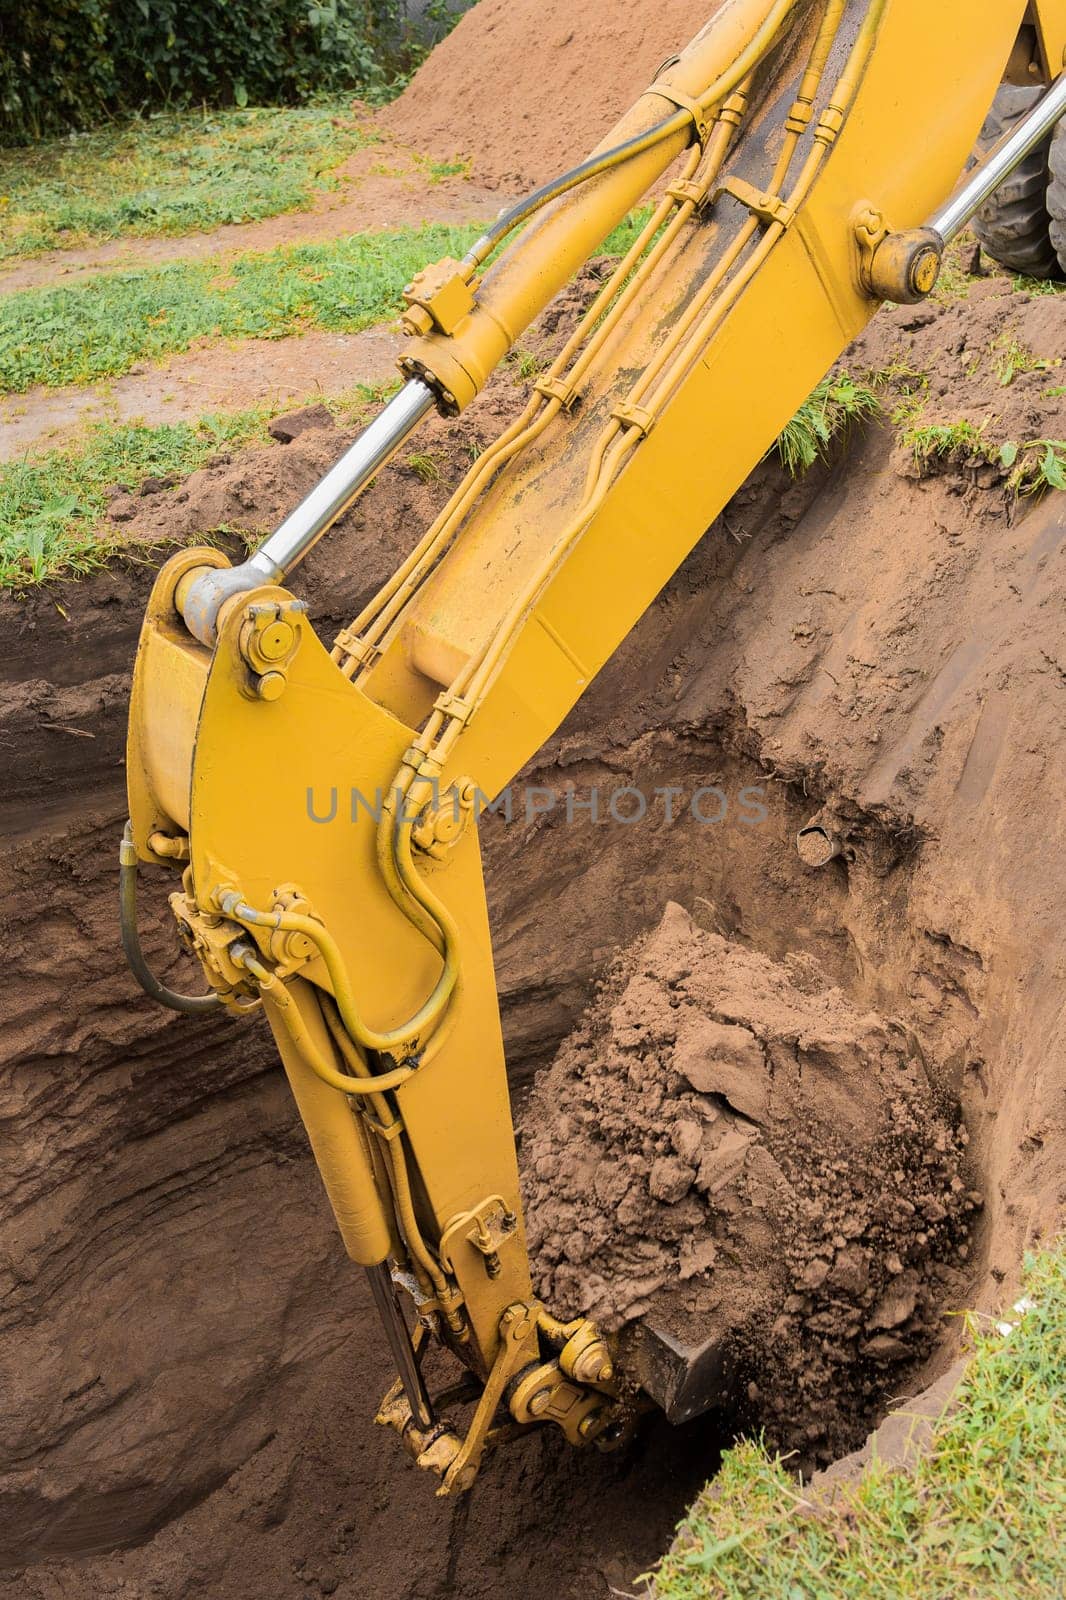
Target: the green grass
(101, 327)
(1037, 286)
(51, 508)
(1030, 466)
(940, 440)
(171, 173)
(980, 1516)
(836, 404)
(1010, 358)
(425, 465)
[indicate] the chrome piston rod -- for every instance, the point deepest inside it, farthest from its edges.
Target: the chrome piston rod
(1011, 150)
(317, 512)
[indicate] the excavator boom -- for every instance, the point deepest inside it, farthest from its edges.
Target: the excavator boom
(321, 806)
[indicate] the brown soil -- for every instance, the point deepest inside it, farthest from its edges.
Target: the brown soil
(256, 372)
(386, 185)
(189, 1364)
(727, 1149)
(570, 73)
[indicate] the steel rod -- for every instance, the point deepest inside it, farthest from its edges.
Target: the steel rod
(334, 493)
(317, 512)
(1011, 150)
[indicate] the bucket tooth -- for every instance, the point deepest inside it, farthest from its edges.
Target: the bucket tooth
(684, 1376)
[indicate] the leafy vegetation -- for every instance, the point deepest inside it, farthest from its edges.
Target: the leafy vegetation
(980, 1516)
(1034, 466)
(836, 404)
(70, 64)
(171, 173)
(1029, 466)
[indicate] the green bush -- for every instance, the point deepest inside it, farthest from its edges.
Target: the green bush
(67, 64)
(56, 67)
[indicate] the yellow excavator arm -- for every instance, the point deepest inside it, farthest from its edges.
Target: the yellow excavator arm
(320, 806)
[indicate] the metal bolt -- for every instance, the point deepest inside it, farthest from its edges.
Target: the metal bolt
(276, 640)
(271, 686)
(539, 1402)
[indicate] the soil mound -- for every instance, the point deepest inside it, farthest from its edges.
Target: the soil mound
(728, 1144)
(525, 88)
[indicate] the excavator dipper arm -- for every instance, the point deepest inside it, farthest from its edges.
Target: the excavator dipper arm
(321, 806)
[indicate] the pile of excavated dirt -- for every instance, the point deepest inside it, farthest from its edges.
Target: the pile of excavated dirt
(189, 1364)
(570, 72)
(727, 1148)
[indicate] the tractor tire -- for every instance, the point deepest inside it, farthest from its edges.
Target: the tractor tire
(1015, 225)
(1056, 194)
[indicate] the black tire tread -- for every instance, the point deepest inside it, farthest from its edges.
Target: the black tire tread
(1056, 193)
(1015, 226)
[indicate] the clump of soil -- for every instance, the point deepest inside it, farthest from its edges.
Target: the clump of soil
(569, 71)
(990, 358)
(728, 1146)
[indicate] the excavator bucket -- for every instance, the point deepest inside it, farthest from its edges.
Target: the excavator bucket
(684, 1374)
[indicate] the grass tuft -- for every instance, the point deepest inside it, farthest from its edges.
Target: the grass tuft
(942, 441)
(51, 508)
(1029, 467)
(836, 404)
(425, 465)
(1010, 358)
(980, 1516)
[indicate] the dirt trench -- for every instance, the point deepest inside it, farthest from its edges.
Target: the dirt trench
(191, 1364)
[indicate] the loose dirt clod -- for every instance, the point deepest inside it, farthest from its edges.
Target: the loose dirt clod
(727, 1144)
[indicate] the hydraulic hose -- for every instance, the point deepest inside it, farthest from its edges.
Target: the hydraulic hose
(395, 1041)
(191, 1004)
(273, 990)
(637, 145)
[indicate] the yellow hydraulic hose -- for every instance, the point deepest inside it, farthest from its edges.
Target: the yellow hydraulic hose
(400, 1041)
(273, 990)
(723, 85)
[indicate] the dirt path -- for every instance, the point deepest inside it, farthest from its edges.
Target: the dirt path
(387, 185)
(231, 377)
